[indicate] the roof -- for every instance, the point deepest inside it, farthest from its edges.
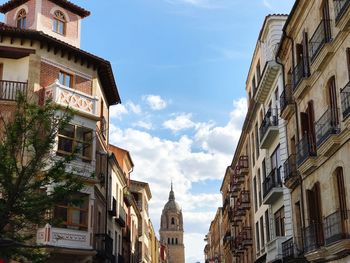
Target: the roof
(103, 67)
(143, 185)
(9, 5)
(121, 153)
(172, 205)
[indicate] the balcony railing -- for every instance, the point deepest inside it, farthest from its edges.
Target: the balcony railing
(345, 100)
(272, 180)
(298, 74)
(340, 7)
(9, 90)
(313, 236)
(246, 234)
(305, 149)
(288, 249)
(121, 219)
(243, 201)
(328, 124)
(335, 227)
(243, 162)
(270, 120)
(104, 245)
(290, 168)
(286, 97)
(321, 36)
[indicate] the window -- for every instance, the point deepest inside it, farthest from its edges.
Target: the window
(257, 141)
(22, 19)
(262, 231)
(258, 71)
(65, 79)
(257, 236)
(168, 240)
(279, 222)
(340, 189)
(173, 221)
(259, 188)
(255, 195)
(59, 23)
(73, 216)
(267, 221)
(176, 241)
(348, 60)
(77, 140)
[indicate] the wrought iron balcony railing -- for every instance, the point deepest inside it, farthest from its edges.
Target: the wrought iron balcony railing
(288, 249)
(340, 7)
(298, 74)
(104, 245)
(272, 180)
(328, 124)
(270, 119)
(345, 100)
(335, 227)
(9, 90)
(313, 236)
(321, 36)
(243, 162)
(305, 149)
(243, 201)
(290, 168)
(286, 97)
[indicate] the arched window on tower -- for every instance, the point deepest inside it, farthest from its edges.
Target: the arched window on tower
(173, 221)
(59, 23)
(168, 240)
(172, 241)
(22, 19)
(176, 242)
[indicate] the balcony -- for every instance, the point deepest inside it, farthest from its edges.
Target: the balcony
(313, 237)
(287, 102)
(246, 235)
(235, 185)
(272, 186)
(268, 77)
(336, 228)
(327, 128)
(291, 178)
(319, 39)
(113, 209)
(63, 238)
(242, 166)
(10, 89)
(306, 154)
(227, 238)
(121, 219)
(243, 201)
(288, 250)
(104, 246)
(345, 101)
(268, 128)
(298, 74)
(68, 97)
(120, 259)
(340, 8)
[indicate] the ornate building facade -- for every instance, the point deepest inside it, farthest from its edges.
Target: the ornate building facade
(171, 229)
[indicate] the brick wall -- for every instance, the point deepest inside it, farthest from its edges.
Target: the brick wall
(11, 16)
(49, 73)
(71, 26)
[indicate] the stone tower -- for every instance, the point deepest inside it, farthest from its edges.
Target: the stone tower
(171, 229)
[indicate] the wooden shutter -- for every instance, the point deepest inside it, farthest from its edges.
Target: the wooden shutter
(332, 93)
(318, 208)
(311, 121)
(348, 61)
(306, 55)
(341, 193)
(326, 19)
(304, 119)
(1, 70)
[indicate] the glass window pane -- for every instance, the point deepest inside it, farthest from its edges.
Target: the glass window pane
(67, 80)
(65, 145)
(68, 131)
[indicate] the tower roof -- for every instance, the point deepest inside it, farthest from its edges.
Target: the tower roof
(172, 204)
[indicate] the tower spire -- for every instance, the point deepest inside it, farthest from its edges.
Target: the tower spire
(171, 194)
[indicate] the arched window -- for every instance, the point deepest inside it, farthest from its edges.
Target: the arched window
(22, 19)
(168, 240)
(173, 221)
(341, 193)
(172, 241)
(59, 22)
(176, 241)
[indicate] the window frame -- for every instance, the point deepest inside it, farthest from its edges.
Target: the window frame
(65, 75)
(21, 20)
(280, 225)
(74, 140)
(59, 23)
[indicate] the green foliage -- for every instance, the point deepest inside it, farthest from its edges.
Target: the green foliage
(28, 169)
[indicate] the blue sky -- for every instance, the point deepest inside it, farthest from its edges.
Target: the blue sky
(180, 67)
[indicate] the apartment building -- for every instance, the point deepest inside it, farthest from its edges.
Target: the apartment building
(142, 195)
(214, 248)
(316, 57)
(40, 56)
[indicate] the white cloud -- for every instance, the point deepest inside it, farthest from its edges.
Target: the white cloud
(159, 160)
(143, 124)
(117, 111)
(135, 108)
(155, 102)
(180, 122)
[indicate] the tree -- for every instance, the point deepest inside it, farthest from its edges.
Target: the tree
(32, 178)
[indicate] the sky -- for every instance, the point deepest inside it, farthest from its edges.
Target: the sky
(180, 67)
